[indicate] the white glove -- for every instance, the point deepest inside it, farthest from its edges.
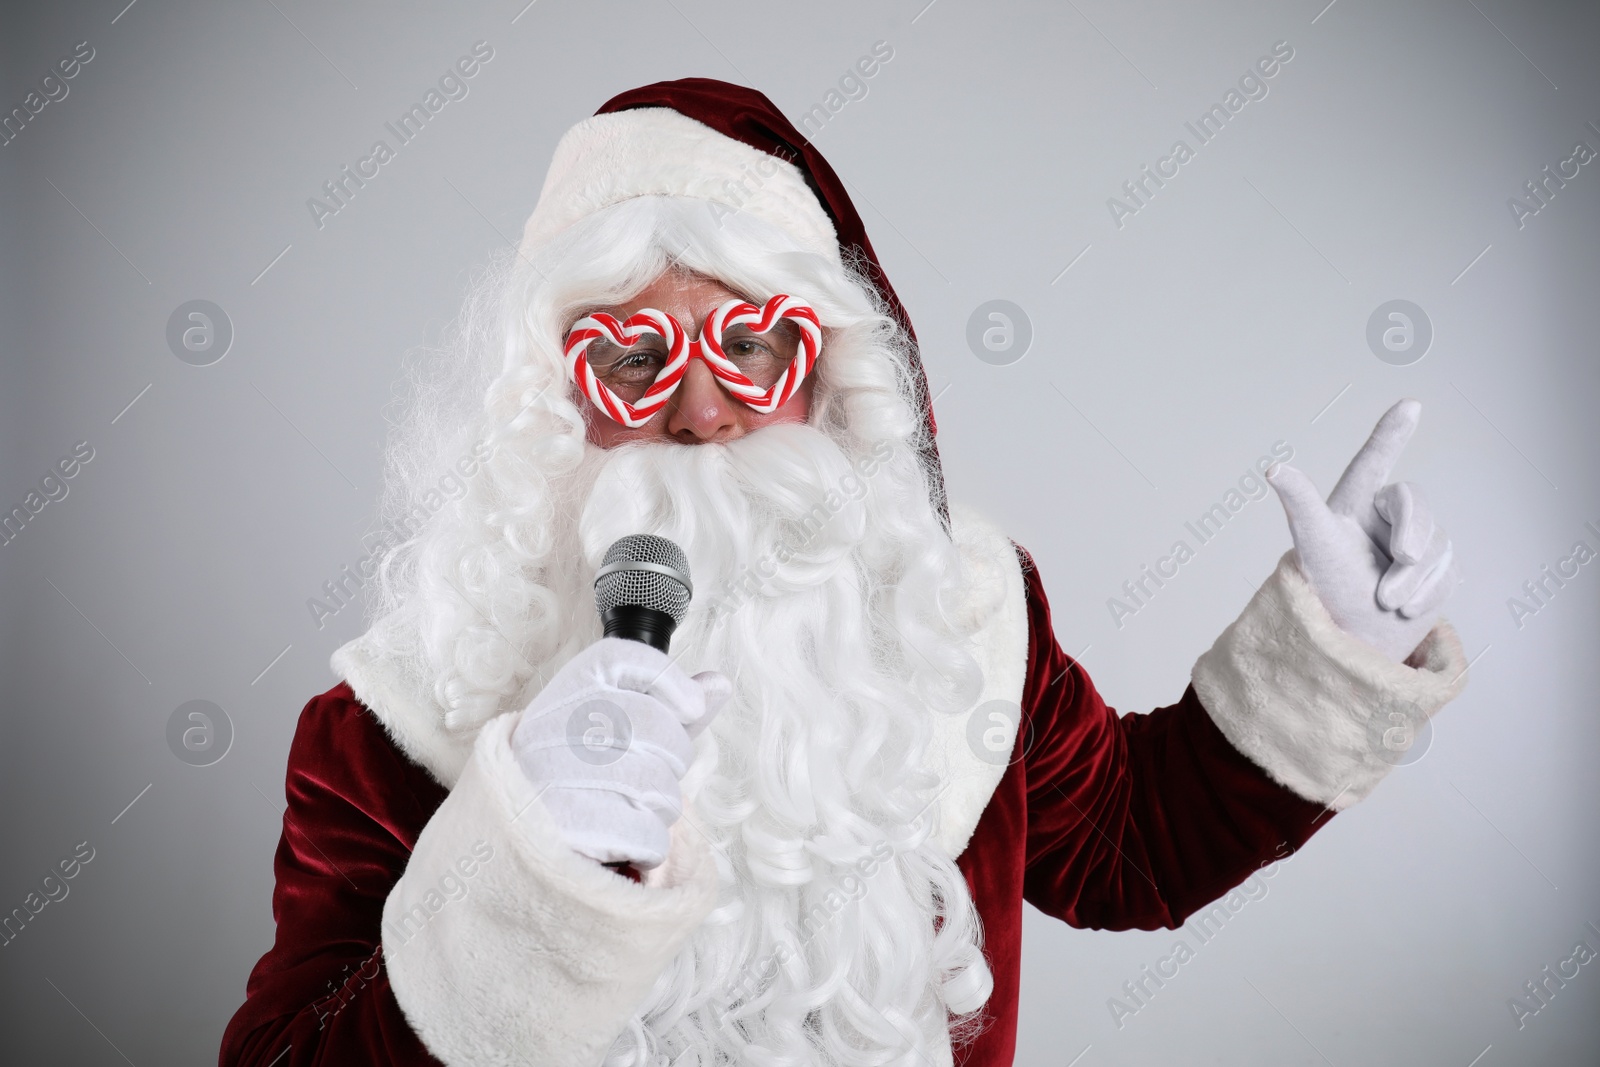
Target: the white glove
(1378, 563)
(607, 742)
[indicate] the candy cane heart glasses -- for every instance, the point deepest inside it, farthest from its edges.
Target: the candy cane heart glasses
(631, 369)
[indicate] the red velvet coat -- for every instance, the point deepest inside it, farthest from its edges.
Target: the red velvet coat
(1105, 822)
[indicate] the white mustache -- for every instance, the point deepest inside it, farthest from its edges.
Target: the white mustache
(729, 506)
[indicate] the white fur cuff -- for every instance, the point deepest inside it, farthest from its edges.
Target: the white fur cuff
(504, 946)
(1315, 708)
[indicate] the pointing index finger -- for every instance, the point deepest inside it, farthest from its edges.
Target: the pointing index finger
(1369, 470)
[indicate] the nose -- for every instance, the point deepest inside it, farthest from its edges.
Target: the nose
(701, 411)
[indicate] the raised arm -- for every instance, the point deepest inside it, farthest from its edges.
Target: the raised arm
(1137, 821)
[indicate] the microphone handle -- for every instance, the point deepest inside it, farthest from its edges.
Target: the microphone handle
(635, 622)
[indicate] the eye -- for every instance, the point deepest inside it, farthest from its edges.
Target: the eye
(635, 366)
(638, 361)
(746, 346)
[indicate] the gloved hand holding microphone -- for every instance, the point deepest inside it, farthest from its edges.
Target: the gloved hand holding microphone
(610, 738)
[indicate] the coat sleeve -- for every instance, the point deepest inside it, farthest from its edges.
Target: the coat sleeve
(541, 956)
(1138, 821)
(321, 995)
(418, 926)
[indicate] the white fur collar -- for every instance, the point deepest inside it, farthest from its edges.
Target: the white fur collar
(968, 752)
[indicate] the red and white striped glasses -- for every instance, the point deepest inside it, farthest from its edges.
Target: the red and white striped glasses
(631, 369)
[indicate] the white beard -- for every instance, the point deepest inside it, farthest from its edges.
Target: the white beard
(808, 785)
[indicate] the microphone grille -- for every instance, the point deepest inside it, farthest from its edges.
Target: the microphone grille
(646, 571)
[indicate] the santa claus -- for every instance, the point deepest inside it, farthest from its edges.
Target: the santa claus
(803, 835)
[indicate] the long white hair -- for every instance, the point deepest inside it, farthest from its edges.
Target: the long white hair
(825, 583)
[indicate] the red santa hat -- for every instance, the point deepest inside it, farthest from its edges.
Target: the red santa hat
(707, 139)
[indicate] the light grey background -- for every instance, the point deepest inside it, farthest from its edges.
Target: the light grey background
(1228, 314)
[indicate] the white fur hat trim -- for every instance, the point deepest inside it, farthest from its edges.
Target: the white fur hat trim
(657, 151)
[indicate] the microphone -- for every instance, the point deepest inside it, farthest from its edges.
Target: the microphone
(642, 592)
(642, 589)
